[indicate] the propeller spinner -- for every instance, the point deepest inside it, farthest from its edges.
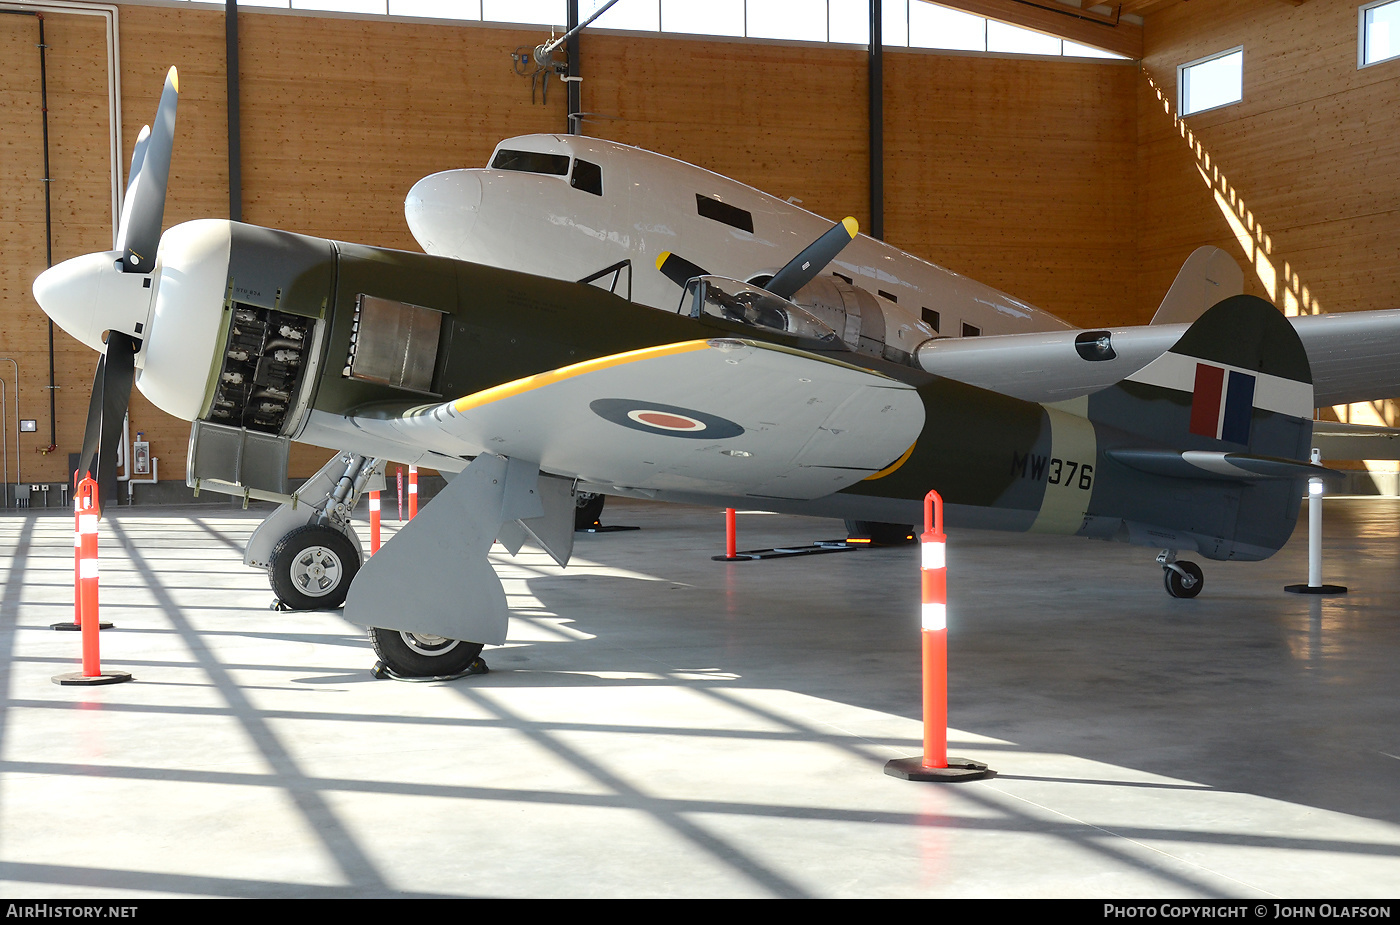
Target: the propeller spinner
(105, 299)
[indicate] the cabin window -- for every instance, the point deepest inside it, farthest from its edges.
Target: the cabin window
(394, 343)
(888, 295)
(970, 330)
(1380, 32)
(931, 319)
(723, 212)
(587, 177)
(1211, 82)
(556, 165)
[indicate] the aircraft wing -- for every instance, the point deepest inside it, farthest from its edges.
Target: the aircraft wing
(723, 416)
(1353, 356)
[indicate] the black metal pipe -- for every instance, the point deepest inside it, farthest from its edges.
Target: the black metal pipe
(48, 230)
(575, 95)
(876, 71)
(235, 147)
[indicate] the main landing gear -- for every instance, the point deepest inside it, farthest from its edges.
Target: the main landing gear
(311, 554)
(423, 655)
(1182, 578)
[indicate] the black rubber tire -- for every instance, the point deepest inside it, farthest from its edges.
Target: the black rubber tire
(882, 534)
(416, 655)
(588, 507)
(312, 567)
(1181, 587)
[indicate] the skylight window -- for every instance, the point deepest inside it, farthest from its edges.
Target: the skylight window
(1380, 32)
(1212, 82)
(436, 9)
(904, 23)
(939, 27)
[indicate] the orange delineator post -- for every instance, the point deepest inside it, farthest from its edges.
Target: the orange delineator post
(87, 575)
(412, 491)
(77, 560)
(935, 765)
(373, 522)
(933, 548)
(731, 534)
(85, 508)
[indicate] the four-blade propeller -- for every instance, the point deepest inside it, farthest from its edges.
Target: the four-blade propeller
(120, 311)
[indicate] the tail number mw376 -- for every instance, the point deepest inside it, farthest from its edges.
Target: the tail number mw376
(1053, 470)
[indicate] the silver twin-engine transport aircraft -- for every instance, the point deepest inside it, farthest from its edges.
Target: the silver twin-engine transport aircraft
(563, 336)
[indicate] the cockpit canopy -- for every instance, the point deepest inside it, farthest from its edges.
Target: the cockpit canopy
(744, 303)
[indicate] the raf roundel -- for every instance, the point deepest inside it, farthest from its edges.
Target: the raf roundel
(664, 420)
(667, 420)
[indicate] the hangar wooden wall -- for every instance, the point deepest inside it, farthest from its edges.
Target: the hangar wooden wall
(1060, 181)
(1303, 174)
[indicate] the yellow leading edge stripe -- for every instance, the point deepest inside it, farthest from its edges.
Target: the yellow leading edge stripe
(530, 383)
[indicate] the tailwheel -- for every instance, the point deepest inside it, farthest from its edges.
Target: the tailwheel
(311, 568)
(423, 655)
(1183, 578)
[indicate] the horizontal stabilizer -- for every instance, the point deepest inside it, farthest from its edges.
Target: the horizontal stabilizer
(1195, 464)
(1356, 441)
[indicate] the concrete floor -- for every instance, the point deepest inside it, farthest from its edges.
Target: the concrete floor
(664, 725)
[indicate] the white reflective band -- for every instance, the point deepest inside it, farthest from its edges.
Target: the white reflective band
(87, 568)
(934, 555)
(77, 539)
(413, 488)
(87, 523)
(935, 616)
(374, 504)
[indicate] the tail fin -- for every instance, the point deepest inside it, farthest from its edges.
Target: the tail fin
(1208, 277)
(1211, 438)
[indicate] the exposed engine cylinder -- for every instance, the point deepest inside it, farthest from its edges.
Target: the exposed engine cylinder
(867, 323)
(262, 368)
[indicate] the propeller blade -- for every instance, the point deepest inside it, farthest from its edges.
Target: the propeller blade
(138, 235)
(111, 392)
(117, 375)
(138, 157)
(92, 433)
(677, 269)
(803, 268)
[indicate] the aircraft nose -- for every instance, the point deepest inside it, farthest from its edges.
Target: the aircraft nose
(442, 208)
(88, 295)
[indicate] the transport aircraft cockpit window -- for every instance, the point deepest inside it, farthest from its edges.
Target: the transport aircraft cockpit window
(531, 162)
(587, 177)
(723, 212)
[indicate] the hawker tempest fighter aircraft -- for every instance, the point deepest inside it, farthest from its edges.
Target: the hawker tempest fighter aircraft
(526, 390)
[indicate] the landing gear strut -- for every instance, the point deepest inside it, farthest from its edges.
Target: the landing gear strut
(1182, 578)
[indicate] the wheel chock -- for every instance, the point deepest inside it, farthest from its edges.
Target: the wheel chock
(381, 671)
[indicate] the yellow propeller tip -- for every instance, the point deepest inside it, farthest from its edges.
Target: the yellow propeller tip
(852, 226)
(662, 258)
(174, 77)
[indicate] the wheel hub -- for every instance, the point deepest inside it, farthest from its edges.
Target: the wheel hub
(317, 571)
(428, 644)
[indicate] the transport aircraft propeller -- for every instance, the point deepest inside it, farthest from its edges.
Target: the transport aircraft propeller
(798, 272)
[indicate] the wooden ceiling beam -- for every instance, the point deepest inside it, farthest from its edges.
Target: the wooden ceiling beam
(1087, 28)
